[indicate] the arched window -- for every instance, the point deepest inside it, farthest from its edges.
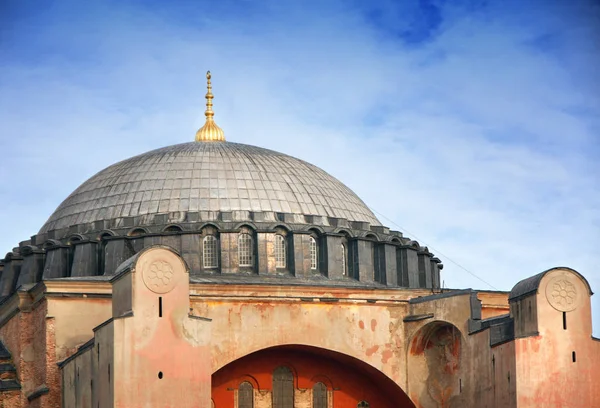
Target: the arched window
(280, 252)
(245, 395)
(363, 404)
(283, 388)
(344, 263)
(319, 395)
(209, 252)
(173, 228)
(245, 249)
(314, 253)
(136, 232)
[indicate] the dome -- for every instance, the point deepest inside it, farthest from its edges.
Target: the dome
(215, 176)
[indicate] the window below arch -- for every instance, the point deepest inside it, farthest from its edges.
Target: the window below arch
(283, 388)
(378, 252)
(320, 396)
(280, 251)
(314, 253)
(344, 260)
(402, 268)
(245, 250)
(363, 404)
(210, 257)
(245, 395)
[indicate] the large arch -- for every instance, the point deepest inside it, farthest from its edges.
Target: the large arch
(348, 380)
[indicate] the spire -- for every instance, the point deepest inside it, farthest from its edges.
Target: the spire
(210, 132)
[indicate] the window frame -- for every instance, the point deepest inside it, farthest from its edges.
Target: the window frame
(245, 253)
(280, 251)
(214, 252)
(245, 386)
(313, 246)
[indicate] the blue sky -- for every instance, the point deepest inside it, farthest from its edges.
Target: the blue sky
(470, 125)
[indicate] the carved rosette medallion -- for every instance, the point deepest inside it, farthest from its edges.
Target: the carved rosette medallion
(159, 277)
(561, 294)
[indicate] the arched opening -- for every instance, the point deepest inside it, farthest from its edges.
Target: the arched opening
(436, 350)
(283, 375)
(173, 229)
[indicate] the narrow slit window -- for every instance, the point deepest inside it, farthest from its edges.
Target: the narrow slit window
(564, 320)
(344, 266)
(209, 252)
(160, 306)
(314, 253)
(280, 253)
(574, 357)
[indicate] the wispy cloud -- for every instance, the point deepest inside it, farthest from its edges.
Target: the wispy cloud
(473, 125)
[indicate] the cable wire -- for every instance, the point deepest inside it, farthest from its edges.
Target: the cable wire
(434, 249)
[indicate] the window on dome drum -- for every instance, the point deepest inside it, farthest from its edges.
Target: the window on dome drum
(319, 395)
(280, 252)
(245, 395)
(209, 252)
(379, 263)
(401, 268)
(344, 266)
(422, 278)
(314, 253)
(245, 249)
(353, 265)
(283, 388)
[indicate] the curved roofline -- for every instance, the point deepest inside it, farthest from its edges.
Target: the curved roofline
(531, 285)
(128, 189)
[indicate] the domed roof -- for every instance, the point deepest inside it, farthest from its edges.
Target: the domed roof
(208, 176)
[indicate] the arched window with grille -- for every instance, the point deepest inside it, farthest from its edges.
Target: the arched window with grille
(314, 253)
(280, 252)
(319, 395)
(245, 395)
(245, 250)
(210, 257)
(283, 388)
(344, 262)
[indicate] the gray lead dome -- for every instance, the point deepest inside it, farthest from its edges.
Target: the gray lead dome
(216, 177)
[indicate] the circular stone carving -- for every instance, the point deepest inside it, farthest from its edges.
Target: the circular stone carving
(159, 277)
(562, 294)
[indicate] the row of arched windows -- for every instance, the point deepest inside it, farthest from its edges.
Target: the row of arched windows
(246, 251)
(283, 392)
(210, 251)
(210, 256)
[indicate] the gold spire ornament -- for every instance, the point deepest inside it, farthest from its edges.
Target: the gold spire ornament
(210, 132)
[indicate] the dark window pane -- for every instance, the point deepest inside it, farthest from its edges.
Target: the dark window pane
(283, 388)
(422, 281)
(246, 395)
(319, 395)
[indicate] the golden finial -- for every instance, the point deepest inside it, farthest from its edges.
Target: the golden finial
(210, 132)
